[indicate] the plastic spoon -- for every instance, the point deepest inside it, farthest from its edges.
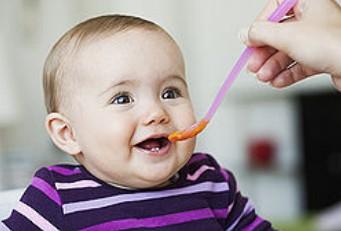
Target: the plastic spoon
(196, 128)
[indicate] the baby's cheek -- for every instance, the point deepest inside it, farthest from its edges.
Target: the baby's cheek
(186, 148)
(189, 117)
(187, 112)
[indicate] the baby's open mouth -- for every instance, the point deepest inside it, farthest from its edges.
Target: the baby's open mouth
(154, 145)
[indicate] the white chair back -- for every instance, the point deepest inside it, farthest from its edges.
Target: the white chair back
(8, 200)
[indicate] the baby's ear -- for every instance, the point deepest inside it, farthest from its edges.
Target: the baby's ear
(62, 134)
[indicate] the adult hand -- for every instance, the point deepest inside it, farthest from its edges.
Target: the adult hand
(306, 43)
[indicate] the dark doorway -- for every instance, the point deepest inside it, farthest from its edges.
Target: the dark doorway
(320, 128)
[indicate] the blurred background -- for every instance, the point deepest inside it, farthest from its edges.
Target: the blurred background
(282, 145)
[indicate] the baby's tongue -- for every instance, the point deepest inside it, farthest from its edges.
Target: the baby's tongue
(150, 144)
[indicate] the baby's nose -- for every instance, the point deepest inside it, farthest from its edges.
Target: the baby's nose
(156, 115)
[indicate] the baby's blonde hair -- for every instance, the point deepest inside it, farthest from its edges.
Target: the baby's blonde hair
(55, 83)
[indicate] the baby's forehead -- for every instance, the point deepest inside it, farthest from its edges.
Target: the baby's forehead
(135, 52)
(128, 46)
(124, 39)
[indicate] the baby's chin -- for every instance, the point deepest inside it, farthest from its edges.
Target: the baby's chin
(154, 182)
(156, 185)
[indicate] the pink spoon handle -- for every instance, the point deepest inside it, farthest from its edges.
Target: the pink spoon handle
(276, 16)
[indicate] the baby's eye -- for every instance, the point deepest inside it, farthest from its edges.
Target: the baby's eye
(171, 93)
(122, 98)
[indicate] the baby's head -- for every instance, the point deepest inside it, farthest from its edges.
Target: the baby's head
(115, 89)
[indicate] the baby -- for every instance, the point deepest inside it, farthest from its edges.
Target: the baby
(115, 89)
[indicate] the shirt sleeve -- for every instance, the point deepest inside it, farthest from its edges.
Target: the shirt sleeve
(39, 208)
(241, 213)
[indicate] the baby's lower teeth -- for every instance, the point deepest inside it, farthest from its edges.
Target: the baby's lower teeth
(155, 149)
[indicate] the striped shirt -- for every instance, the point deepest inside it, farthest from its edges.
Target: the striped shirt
(203, 196)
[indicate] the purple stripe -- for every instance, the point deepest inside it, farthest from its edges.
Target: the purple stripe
(197, 157)
(224, 173)
(220, 213)
(153, 222)
(254, 224)
(64, 171)
(45, 188)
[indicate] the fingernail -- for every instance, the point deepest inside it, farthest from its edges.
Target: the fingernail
(243, 34)
(248, 69)
(261, 75)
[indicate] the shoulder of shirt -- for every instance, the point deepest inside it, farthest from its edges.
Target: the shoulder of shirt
(57, 171)
(198, 159)
(202, 166)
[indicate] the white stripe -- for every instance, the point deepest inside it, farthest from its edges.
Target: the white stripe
(34, 217)
(248, 208)
(123, 198)
(78, 184)
(3, 227)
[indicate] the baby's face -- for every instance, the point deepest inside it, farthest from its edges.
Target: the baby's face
(131, 95)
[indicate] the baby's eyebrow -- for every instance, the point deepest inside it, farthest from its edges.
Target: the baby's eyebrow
(177, 78)
(119, 83)
(132, 82)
